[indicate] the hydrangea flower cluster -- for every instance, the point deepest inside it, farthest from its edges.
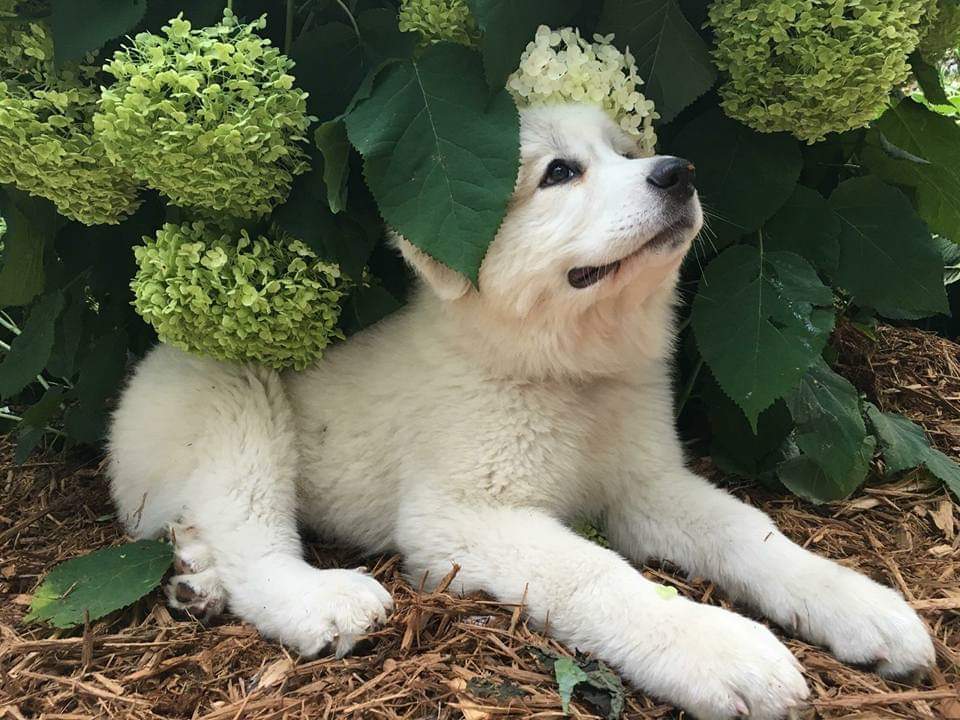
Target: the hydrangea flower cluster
(439, 21)
(236, 297)
(560, 66)
(941, 34)
(812, 67)
(209, 117)
(47, 146)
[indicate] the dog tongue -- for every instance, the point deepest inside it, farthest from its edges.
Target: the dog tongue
(586, 276)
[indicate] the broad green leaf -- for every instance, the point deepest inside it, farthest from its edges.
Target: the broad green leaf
(735, 447)
(30, 350)
(101, 375)
(935, 140)
(671, 57)
(30, 227)
(928, 77)
(906, 446)
(743, 176)
(830, 433)
(508, 25)
(33, 427)
(568, 675)
(808, 227)
(99, 583)
(888, 259)
(63, 357)
(591, 679)
(381, 37)
(306, 214)
(440, 156)
(365, 307)
(330, 66)
(331, 140)
(82, 27)
(758, 322)
(333, 62)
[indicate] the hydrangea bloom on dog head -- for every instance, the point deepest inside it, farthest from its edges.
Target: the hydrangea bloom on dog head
(580, 277)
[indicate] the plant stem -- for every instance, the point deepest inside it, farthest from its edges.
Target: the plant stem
(350, 15)
(288, 28)
(7, 322)
(17, 418)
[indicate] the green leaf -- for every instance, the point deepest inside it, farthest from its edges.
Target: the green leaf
(743, 176)
(735, 447)
(366, 306)
(381, 37)
(82, 27)
(30, 227)
(808, 227)
(508, 25)
(30, 350)
(934, 139)
(831, 435)
(928, 77)
(757, 325)
(598, 684)
(339, 238)
(331, 140)
(99, 583)
(101, 375)
(334, 50)
(33, 427)
(888, 259)
(440, 159)
(671, 57)
(321, 54)
(906, 446)
(568, 675)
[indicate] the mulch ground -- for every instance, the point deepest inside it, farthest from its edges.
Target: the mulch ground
(442, 656)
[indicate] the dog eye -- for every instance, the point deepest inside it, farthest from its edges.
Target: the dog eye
(559, 172)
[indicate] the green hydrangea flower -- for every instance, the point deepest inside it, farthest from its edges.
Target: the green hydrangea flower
(439, 21)
(812, 67)
(47, 146)
(236, 297)
(940, 36)
(209, 117)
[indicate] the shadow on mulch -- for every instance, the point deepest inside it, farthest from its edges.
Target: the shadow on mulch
(442, 656)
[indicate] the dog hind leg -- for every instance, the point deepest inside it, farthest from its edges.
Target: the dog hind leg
(212, 447)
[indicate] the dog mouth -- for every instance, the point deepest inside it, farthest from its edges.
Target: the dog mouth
(584, 277)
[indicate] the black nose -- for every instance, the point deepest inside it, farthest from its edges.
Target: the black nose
(675, 175)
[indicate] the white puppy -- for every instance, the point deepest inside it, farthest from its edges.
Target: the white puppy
(471, 426)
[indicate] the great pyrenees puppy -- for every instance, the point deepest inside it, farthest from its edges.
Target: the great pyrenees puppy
(472, 426)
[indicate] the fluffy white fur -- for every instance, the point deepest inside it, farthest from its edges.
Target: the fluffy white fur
(469, 428)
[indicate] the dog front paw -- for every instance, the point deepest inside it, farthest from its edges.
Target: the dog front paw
(726, 666)
(313, 611)
(864, 623)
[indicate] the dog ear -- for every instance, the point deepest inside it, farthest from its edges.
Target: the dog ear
(446, 283)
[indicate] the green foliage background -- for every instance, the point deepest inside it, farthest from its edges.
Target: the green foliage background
(806, 230)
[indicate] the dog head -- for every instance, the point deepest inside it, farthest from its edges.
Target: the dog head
(590, 246)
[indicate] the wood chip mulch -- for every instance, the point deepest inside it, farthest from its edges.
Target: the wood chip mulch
(442, 656)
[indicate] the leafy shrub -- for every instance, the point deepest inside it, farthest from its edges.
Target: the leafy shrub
(940, 31)
(209, 117)
(237, 297)
(812, 67)
(804, 237)
(46, 140)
